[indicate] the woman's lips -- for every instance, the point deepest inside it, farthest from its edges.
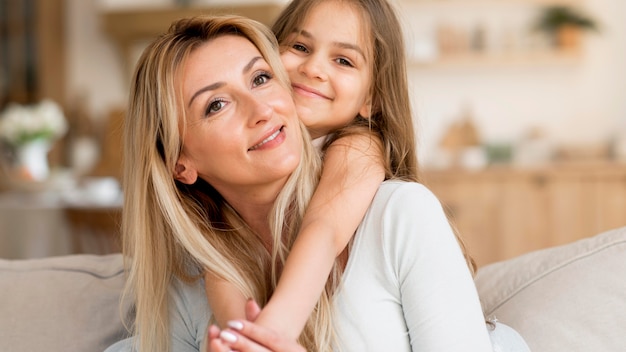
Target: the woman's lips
(268, 139)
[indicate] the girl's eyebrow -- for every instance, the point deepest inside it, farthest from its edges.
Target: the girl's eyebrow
(217, 85)
(343, 45)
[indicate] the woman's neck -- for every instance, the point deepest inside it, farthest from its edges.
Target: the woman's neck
(255, 211)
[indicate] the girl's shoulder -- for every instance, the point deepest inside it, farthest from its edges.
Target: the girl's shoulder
(404, 189)
(399, 197)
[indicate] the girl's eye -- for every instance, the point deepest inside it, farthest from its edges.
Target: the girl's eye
(215, 106)
(261, 79)
(344, 61)
(299, 47)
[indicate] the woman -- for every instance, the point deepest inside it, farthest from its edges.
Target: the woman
(218, 172)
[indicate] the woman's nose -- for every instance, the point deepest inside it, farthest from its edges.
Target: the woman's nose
(314, 67)
(259, 110)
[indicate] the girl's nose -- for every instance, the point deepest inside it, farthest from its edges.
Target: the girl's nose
(313, 67)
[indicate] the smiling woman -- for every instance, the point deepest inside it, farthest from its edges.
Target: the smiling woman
(213, 148)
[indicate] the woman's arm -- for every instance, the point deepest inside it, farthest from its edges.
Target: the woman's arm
(225, 300)
(352, 172)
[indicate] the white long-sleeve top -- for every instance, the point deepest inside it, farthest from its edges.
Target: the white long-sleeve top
(407, 286)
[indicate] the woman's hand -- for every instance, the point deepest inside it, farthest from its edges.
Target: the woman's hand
(245, 336)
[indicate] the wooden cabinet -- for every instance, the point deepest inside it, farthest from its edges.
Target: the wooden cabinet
(505, 212)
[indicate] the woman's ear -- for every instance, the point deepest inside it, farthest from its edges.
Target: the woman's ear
(184, 172)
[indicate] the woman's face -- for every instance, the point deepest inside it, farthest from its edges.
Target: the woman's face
(242, 134)
(329, 68)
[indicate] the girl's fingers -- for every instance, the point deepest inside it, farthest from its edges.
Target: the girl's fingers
(267, 338)
(216, 344)
(252, 310)
(240, 342)
(214, 332)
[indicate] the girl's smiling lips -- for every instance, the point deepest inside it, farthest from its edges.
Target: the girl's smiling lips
(276, 137)
(308, 91)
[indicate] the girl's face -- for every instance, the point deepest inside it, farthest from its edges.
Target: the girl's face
(242, 134)
(329, 66)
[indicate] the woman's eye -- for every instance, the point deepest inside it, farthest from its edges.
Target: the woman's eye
(214, 107)
(261, 79)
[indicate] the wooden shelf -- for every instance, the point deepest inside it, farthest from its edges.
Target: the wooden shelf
(494, 60)
(489, 2)
(130, 27)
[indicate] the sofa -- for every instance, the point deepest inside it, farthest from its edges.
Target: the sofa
(566, 298)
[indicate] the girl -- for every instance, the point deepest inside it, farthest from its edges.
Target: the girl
(346, 63)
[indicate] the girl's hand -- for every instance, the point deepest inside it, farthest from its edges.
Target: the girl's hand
(215, 343)
(245, 336)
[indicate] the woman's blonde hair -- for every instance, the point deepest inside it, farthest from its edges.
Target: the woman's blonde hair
(391, 117)
(173, 231)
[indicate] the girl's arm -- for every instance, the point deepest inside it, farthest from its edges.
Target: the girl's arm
(352, 172)
(226, 301)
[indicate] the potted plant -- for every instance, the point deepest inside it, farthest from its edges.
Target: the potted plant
(30, 131)
(564, 24)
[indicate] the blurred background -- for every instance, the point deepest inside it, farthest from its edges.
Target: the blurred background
(519, 106)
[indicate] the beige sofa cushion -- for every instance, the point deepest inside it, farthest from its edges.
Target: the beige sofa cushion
(567, 298)
(64, 304)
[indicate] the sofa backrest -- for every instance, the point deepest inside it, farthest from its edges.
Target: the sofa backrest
(566, 298)
(69, 303)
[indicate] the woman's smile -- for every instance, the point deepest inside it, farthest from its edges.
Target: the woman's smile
(277, 137)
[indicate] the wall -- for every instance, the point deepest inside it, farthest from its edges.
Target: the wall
(580, 103)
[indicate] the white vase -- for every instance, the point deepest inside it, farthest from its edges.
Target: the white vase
(32, 159)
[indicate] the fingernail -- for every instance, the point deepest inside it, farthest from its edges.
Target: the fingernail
(228, 336)
(235, 324)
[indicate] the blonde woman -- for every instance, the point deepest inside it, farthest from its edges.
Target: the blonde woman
(218, 173)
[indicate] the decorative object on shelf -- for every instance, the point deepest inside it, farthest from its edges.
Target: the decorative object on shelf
(564, 24)
(462, 143)
(533, 149)
(29, 131)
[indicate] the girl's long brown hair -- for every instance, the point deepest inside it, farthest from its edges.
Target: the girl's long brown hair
(391, 119)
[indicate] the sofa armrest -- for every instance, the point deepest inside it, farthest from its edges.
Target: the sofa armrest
(566, 298)
(69, 303)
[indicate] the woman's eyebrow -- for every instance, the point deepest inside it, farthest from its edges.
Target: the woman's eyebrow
(217, 85)
(204, 89)
(248, 67)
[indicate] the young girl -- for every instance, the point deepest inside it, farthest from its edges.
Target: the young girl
(346, 63)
